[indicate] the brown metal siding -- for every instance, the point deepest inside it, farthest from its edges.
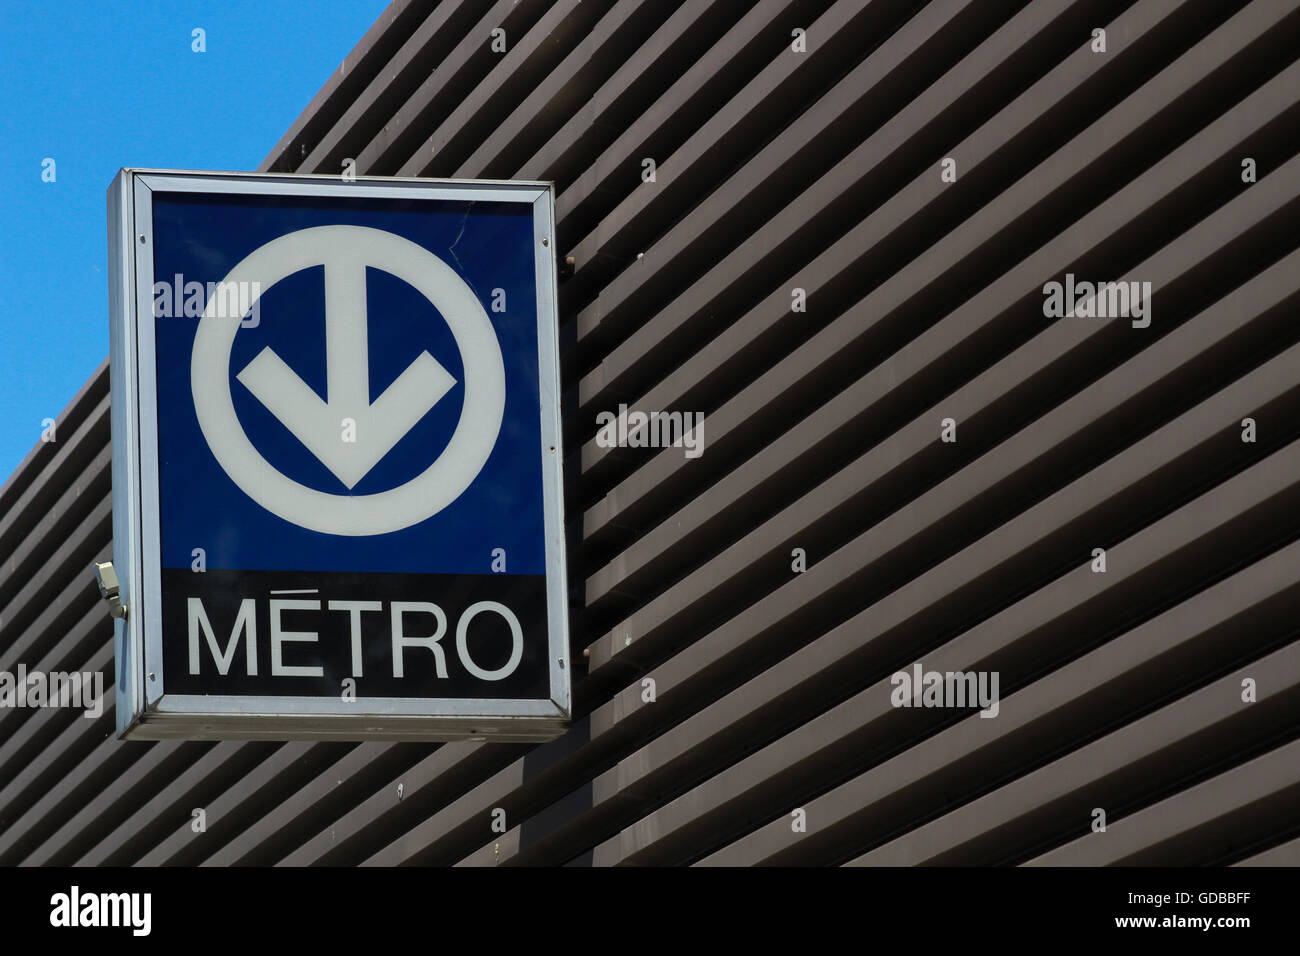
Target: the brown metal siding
(821, 171)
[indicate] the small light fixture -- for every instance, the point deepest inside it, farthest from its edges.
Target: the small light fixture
(109, 589)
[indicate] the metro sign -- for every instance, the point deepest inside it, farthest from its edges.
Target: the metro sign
(337, 508)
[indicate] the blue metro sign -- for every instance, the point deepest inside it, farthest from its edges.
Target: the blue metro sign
(337, 499)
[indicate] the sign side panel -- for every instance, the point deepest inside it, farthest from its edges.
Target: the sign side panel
(150, 620)
(123, 389)
(548, 370)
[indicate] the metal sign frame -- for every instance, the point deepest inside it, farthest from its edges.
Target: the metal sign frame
(144, 708)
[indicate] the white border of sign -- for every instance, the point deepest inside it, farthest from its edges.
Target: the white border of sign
(145, 710)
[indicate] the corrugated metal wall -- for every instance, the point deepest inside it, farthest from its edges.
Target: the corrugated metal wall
(778, 170)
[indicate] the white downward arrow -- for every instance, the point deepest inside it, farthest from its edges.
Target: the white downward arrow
(319, 425)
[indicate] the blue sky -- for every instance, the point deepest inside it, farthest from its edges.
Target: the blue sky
(99, 85)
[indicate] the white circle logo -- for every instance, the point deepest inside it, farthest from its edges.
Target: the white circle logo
(347, 432)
